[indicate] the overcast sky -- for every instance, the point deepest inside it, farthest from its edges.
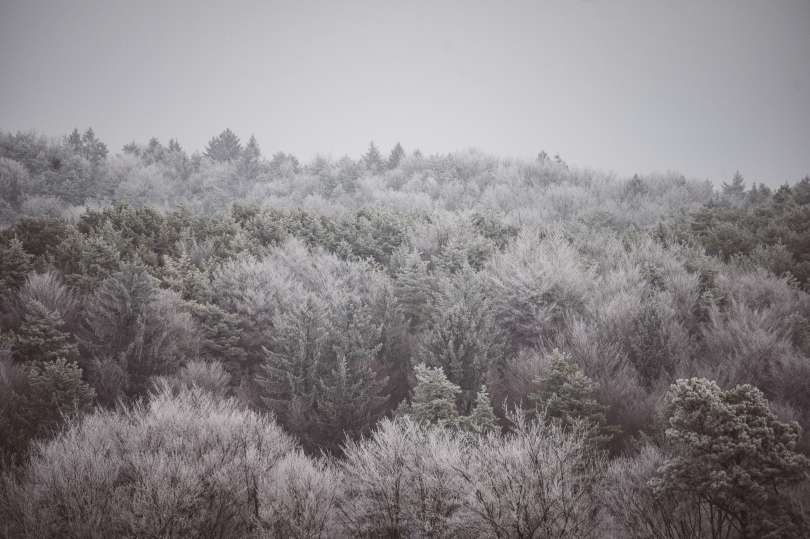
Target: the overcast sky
(702, 87)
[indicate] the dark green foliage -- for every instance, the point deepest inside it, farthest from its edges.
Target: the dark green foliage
(42, 337)
(462, 339)
(86, 260)
(566, 395)
(220, 338)
(134, 332)
(373, 160)
(397, 154)
(224, 147)
(434, 398)
(735, 457)
(15, 264)
(36, 399)
(482, 418)
(782, 219)
(39, 236)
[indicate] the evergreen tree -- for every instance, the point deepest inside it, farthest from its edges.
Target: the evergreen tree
(224, 147)
(735, 189)
(288, 384)
(463, 338)
(351, 394)
(174, 146)
(15, 264)
(373, 160)
(42, 337)
(397, 154)
(482, 418)
(220, 338)
(734, 459)
(434, 398)
(565, 395)
(250, 165)
(74, 141)
(93, 149)
(801, 191)
(14, 179)
(349, 402)
(36, 399)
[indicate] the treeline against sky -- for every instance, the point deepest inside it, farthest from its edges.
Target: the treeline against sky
(402, 346)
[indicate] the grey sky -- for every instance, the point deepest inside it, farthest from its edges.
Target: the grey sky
(630, 86)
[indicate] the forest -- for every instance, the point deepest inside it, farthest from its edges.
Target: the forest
(228, 344)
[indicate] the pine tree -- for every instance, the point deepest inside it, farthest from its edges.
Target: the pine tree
(565, 395)
(397, 154)
(733, 458)
(434, 398)
(42, 336)
(224, 147)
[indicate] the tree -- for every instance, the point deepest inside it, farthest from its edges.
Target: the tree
(136, 330)
(42, 336)
(289, 381)
(224, 147)
(184, 464)
(566, 396)
(14, 180)
(15, 264)
(397, 154)
(538, 480)
(734, 459)
(35, 400)
(372, 160)
(463, 338)
(736, 189)
(482, 418)
(434, 398)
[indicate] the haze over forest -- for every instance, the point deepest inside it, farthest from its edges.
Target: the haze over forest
(342, 270)
(702, 88)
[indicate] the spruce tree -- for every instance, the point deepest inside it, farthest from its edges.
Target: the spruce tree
(288, 384)
(373, 160)
(736, 189)
(15, 264)
(434, 398)
(224, 147)
(565, 395)
(482, 418)
(42, 337)
(397, 154)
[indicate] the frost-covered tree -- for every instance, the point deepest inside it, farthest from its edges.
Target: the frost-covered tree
(482, 417)
(565, 395)
(15, 264)
(734, 458)
(224, 147)
(396, 156)
(42, 336)
(434, 397)
(463, 339)
(372, 159)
